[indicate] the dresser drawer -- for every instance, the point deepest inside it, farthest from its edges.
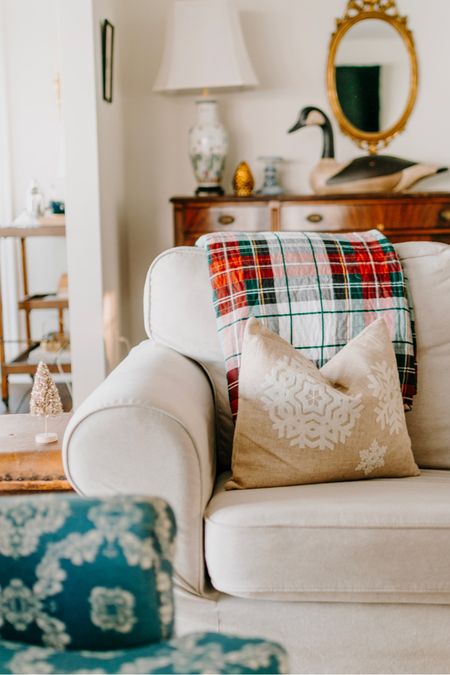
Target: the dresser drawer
(224, 218)
(365, 216)
(322, 217)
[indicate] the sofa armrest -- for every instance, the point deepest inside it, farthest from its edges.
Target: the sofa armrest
(149, 430)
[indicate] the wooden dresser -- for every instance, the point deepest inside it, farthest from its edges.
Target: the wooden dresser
(409, 216)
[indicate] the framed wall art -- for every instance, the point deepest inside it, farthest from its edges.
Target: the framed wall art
(107, 60)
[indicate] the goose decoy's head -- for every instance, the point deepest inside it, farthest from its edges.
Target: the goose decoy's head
(308, 117)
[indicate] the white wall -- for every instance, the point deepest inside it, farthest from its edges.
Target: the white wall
(31, 48)
(110, 120)
(42, 38)
(83, 197)
(287, 41)
(125, 160)
(95, 195)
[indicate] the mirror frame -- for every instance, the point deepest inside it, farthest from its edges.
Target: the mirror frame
(357, 11)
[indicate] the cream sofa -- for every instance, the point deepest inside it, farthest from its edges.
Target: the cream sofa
(350, 577)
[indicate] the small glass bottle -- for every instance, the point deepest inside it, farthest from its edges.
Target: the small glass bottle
(35, 200)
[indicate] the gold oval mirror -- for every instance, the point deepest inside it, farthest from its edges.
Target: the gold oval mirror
(372, 72)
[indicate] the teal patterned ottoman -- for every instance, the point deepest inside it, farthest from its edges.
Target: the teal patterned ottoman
(82, 577)
(199, 653)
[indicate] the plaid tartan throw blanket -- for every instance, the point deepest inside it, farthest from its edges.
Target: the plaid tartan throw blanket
(316, 290)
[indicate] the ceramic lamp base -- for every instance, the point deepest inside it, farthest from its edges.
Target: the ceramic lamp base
(45, 438)
(208, 147)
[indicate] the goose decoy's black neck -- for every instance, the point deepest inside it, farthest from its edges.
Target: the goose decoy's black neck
(311, 116)
(381, 173)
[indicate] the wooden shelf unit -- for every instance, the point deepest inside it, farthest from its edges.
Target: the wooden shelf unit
(43, 302)
(38, 231)
(52, 226)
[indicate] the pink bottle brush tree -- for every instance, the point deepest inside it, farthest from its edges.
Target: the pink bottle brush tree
(45, 402)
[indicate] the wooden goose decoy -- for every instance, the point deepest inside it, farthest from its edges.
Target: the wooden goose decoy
(371, 173)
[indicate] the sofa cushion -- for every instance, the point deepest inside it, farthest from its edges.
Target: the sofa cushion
(297, 424)
(179, 314)
(384, 540)
(427, 268)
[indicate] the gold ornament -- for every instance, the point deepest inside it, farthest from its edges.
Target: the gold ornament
(243, 181)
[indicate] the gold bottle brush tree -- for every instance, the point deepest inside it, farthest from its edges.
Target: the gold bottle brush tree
(45, 402)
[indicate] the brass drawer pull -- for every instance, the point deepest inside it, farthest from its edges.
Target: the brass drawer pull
(445, 214)
(380, 227)
(314, 218)
(226, 220)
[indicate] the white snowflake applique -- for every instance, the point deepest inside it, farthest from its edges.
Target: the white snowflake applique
(305, 411)
(373, 458)
(385, 387)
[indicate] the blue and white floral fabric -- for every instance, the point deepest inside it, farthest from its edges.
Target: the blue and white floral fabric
(86, 573)
(82, 577)
(201, 653)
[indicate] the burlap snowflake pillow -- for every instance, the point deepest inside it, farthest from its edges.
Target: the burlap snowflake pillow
(297, 424)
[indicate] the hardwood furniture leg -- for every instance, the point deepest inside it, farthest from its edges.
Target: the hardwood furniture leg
(23, 251)
(5, 384)
(61, 321)
(274, 209)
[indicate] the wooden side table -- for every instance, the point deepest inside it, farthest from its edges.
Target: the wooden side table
(26, 466)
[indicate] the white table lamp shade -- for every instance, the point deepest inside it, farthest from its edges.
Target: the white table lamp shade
(204, 48)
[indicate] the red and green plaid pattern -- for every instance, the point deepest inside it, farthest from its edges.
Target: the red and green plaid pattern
(316, 290)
